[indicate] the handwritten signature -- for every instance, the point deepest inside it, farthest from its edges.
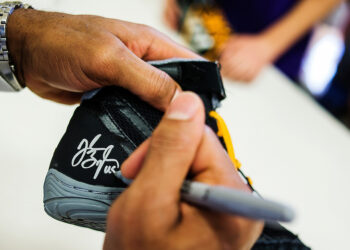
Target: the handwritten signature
(85, 157)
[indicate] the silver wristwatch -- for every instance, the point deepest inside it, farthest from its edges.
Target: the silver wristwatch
(8, 80)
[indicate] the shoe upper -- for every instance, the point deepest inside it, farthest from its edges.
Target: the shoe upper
(111, 123)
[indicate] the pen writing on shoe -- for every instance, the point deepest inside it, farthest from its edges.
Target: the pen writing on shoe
(232, 201)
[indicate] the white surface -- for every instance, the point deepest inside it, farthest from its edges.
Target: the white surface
(293, 150)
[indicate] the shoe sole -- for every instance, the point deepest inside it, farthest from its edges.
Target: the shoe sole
(77, 203)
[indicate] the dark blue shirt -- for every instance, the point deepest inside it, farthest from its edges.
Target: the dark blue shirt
(253, 16)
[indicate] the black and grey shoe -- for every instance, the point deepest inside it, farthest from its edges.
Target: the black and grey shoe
(105, 129)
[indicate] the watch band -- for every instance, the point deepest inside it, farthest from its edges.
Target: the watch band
(8, 80)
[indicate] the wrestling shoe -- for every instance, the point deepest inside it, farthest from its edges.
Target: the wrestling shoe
(105, 129)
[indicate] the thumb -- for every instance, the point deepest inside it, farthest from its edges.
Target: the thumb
(172, 147)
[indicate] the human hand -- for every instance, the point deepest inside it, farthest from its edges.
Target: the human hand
(150, 213)
(244, 56)
(59, 56)
(172, 13)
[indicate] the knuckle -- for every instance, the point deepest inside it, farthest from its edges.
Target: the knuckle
(103, 55)
(162, 86)
(100, 56)
(149, 34)
(169, 138)
(147, 29)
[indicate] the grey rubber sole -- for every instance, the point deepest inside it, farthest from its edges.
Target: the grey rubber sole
(74, 202)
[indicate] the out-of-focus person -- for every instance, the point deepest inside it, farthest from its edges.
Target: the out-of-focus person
(273, 31)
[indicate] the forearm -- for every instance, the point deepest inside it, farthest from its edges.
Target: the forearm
(296, 23)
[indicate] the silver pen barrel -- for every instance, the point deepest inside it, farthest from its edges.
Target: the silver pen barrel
(233, 201)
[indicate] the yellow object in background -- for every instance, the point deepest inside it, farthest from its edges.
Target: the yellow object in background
(206, 30)
(219, 29)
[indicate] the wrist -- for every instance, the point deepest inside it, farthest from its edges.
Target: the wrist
(16, 39)
(274, 48)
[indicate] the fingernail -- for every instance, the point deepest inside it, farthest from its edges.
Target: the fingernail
(177, 92)
(120, 176)
(183, 106)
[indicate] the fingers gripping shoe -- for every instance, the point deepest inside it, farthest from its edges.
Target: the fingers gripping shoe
(105, 129)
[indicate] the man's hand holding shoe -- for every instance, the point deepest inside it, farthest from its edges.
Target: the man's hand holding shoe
(150, 214)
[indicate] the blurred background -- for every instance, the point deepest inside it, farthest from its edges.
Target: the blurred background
(317, 60)
(286, 74)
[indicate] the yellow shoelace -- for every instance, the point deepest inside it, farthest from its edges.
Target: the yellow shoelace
(225, 135)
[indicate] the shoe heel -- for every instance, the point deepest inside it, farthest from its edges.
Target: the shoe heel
(77, 203)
